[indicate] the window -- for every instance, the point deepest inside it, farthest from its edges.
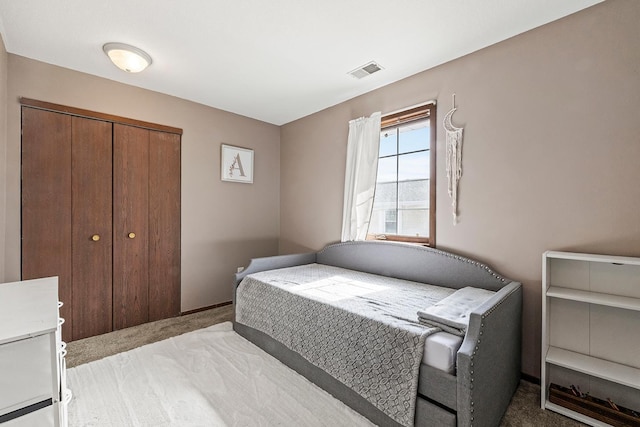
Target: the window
(404, 202)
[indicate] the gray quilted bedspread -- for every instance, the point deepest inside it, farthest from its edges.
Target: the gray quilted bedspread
(360, 328)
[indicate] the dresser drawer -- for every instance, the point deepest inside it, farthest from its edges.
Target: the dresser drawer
(41, 418)
(26, 372)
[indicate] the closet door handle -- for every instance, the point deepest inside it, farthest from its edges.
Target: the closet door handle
(131, 235)
(95, 237)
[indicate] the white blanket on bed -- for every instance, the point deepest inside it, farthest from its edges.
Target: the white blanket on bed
(452, 313)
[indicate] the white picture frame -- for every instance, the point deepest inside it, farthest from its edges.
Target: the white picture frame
(236, 164)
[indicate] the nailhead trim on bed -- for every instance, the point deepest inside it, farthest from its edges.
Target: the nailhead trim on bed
(438, 252)
(484, 316)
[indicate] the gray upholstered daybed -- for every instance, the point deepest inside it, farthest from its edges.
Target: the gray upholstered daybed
(487, 363)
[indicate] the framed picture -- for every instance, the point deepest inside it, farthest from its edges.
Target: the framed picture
(236, 164)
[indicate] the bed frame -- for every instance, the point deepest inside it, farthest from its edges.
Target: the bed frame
(488, 362)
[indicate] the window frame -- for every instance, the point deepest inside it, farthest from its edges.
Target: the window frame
(421, 112)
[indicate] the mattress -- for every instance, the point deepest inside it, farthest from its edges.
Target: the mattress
(440, 350)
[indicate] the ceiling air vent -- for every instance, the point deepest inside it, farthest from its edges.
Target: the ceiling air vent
(365, 70)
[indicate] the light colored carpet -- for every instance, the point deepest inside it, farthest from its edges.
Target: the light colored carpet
(209, 377)
(94, 348)
(524, 410)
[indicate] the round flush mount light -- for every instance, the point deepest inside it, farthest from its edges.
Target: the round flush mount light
(127, 58)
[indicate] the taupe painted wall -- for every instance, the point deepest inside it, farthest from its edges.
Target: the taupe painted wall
(551, 155)
(3, 151)
(223, 224)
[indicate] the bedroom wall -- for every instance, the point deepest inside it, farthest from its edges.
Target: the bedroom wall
(550, 159)
(223, 224)
(3, 152)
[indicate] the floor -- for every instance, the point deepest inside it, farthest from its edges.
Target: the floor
(524, 409)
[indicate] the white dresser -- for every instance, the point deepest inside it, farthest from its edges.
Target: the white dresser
(33, 388)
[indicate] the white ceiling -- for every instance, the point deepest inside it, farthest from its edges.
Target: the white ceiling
(275, 60)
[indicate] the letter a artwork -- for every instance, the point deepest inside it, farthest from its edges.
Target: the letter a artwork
(237, 164)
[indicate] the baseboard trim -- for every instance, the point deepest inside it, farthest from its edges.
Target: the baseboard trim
(209, 307)
(530, 378)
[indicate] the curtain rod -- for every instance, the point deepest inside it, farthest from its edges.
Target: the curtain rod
(432, 101)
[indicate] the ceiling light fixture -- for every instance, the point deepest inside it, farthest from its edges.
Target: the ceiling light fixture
(127, 58)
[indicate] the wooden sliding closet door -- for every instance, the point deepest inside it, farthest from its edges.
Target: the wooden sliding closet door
(46, 202)
(101, 210)
(92, 229)
(130, 226)
(164, 225)
(66, 214)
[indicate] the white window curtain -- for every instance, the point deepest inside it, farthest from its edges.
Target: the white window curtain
(360, 177)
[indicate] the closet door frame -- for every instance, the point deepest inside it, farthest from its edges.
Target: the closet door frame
(43, 105)
(162, 225)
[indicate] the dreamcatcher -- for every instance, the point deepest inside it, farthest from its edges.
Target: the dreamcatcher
(454, 158)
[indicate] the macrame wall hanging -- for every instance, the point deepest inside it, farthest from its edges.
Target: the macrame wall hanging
(454, 158)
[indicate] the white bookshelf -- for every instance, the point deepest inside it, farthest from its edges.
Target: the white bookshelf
(591, 328)
(594, 298)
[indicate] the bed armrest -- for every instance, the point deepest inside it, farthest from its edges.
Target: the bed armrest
(272, 263)
(489, 358)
